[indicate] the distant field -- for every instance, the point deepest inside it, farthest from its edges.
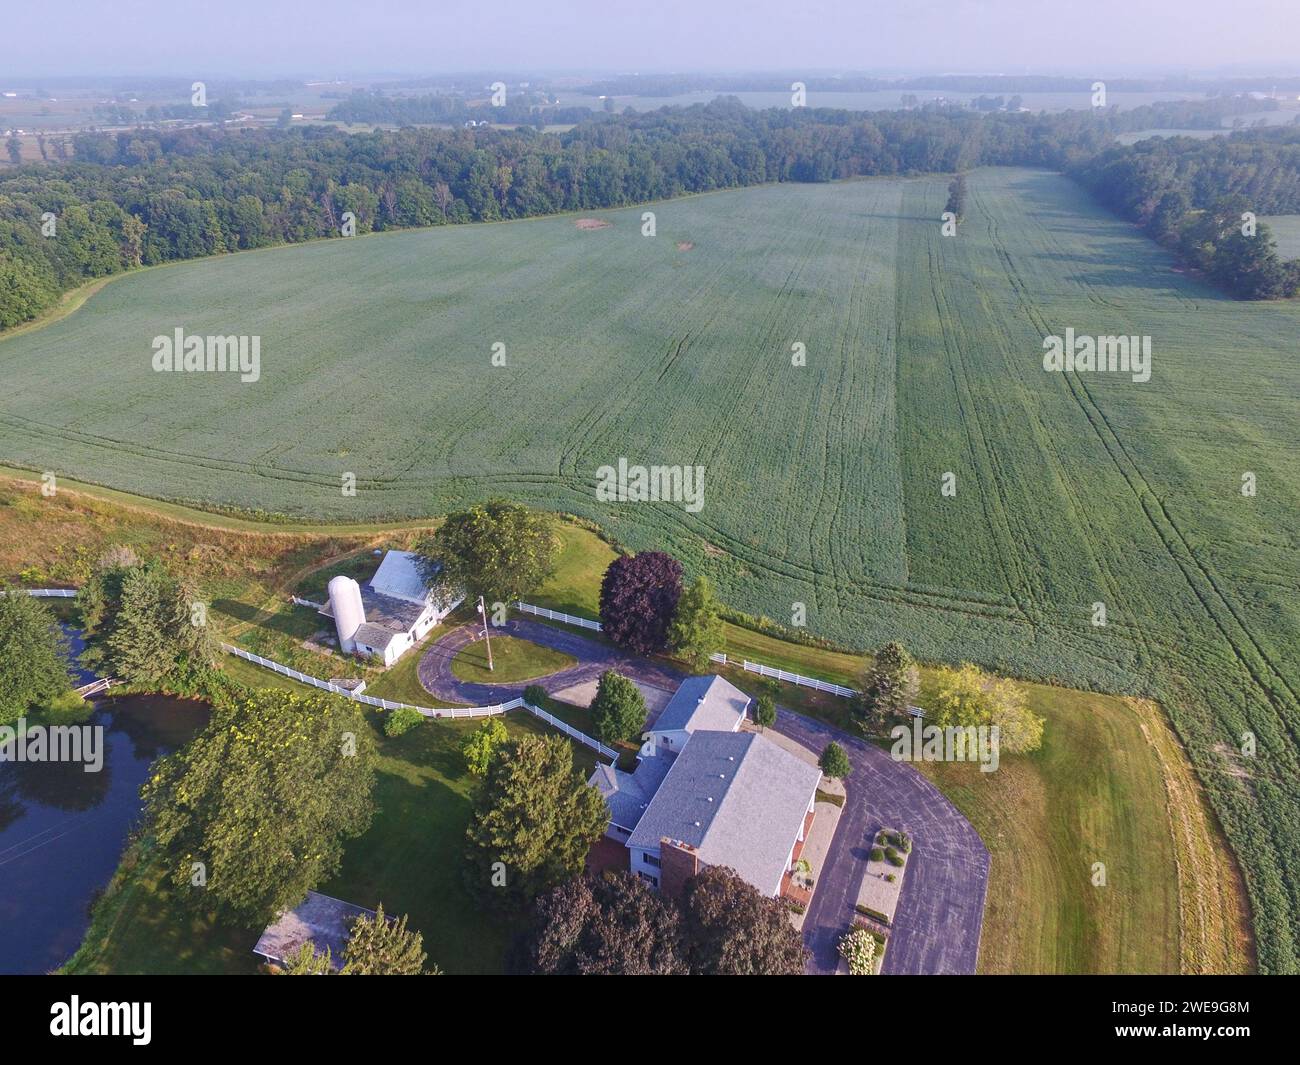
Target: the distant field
(1286, 231)
(822, 482)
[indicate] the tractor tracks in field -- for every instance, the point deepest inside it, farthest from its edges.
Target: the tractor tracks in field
(1197, 574)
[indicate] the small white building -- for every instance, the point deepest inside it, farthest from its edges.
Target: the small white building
(392, 612)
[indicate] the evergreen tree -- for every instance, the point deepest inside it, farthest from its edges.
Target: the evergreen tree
(889, 686)
(534, 820)
(618, 712)
(383, 946)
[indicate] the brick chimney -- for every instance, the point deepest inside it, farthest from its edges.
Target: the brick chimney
(678, 862)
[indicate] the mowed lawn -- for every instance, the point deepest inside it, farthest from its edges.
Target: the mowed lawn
(511, 660)
(409, 859)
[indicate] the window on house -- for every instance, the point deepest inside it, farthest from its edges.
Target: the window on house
(650, 859)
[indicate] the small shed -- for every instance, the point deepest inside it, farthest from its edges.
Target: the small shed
(323, 921)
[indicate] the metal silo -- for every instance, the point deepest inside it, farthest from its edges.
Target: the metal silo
(349, 614)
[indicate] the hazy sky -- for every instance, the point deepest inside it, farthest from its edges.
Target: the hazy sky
(324, 37)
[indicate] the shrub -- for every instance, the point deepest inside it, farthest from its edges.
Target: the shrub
(401, 720)
(535, 695)
(877, 854)
(858, 948)
(893, 857)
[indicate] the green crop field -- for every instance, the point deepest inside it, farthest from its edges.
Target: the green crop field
(822, 486)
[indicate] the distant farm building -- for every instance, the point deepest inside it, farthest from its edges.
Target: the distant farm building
(392, 612)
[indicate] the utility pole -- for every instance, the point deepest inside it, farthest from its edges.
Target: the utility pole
(482, 612)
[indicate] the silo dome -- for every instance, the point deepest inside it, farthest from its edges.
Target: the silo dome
(349, 614)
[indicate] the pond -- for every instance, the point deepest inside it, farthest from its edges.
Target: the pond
(62, 829)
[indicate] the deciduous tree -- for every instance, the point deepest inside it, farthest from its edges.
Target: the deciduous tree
(255, 809)
(638, 598)
(611, 925)
(499, 550)
(478, 746)
(968, 696)
(732, 930)
(834, 762)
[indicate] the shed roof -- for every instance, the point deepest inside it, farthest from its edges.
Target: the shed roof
(320, 920)
(376, 636)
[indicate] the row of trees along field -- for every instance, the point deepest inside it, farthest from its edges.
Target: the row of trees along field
(1197, 197)
(147, 196)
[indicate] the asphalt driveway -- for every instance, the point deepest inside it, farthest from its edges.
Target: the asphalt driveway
(936, 927)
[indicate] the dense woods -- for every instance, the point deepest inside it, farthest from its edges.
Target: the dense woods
(147, 196)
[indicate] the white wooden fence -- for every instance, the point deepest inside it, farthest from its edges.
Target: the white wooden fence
(718, 657)
(427, 711)
(798, 678)
(557, 615)
(48, 593)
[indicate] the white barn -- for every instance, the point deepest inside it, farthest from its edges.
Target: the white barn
(391, 613)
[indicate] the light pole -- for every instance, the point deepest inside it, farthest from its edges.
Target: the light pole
(482, 611)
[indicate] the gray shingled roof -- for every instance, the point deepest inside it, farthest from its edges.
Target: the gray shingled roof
(628, 794)
(736, 797)
(376, 636)
(703, 703)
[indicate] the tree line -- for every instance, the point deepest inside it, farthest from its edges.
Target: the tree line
(1201, 198)
(145, 196)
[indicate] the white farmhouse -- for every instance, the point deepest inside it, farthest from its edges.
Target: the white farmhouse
(705, 793)
(391, 613)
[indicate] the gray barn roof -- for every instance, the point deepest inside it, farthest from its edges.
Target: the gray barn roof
(736, 797)
(703, 703)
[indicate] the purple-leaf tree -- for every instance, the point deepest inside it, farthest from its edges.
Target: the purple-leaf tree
(638, 598)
